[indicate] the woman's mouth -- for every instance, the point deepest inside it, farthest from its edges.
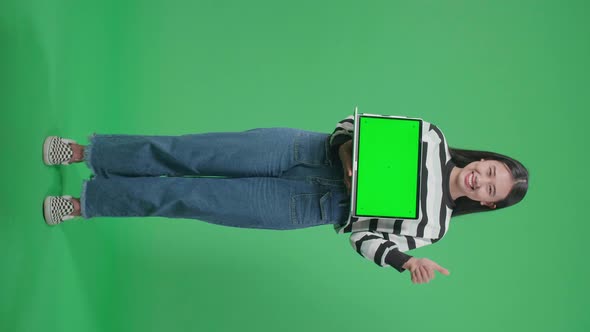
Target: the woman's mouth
(469, 180)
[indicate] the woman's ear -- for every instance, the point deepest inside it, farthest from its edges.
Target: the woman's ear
(489, 204)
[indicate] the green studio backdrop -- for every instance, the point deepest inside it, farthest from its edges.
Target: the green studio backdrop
(506, 76)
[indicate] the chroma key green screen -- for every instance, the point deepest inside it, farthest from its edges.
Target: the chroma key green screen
(388, 167)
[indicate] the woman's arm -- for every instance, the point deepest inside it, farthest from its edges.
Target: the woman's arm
(344, 132)
(345, 154)
(382, 251)
(386, 249)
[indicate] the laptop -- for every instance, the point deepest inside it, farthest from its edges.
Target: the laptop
(387, 153)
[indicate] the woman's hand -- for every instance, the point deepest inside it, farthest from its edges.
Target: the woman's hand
(422, 269)
(345, 153)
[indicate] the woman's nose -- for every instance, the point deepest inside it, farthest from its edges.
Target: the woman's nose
(483, 180)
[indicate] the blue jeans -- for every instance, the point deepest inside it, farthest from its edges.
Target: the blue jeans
(274, 178)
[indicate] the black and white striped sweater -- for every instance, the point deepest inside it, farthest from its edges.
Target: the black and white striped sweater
(384, 241)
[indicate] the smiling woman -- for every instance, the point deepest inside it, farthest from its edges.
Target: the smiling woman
(457, 182)
(485, 180)
(280, 178)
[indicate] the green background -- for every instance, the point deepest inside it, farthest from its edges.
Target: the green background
(508, 76)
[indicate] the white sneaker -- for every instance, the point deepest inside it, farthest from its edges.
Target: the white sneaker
(57, 209)
(57, 150)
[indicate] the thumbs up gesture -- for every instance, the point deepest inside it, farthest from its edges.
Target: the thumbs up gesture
(422, 269)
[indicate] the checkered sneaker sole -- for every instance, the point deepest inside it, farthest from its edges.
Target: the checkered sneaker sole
(57, 209)
(57, 150)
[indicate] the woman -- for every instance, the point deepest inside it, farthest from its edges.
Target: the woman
(280, 178)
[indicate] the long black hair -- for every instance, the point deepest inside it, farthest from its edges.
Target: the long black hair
(520, 174)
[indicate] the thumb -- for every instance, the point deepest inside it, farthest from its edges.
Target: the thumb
(349, 172)
(442, 270)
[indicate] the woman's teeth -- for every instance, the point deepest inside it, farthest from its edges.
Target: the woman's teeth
(471, 181)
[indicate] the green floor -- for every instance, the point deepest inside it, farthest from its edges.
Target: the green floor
(507, 76)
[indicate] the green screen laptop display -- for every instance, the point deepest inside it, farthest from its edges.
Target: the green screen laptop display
(388, 167)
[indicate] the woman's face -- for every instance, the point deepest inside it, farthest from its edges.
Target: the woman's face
(486, 181)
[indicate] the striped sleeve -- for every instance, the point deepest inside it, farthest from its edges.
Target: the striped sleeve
(344, 132)
(385, 249)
